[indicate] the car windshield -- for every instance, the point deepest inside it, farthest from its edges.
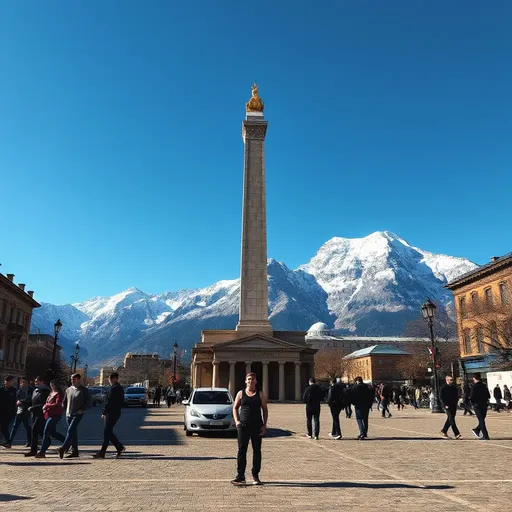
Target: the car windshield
(135, 391)
(211, 397)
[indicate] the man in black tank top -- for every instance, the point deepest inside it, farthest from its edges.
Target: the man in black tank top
(250, 413)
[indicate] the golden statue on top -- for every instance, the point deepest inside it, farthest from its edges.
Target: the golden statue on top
(255, 104)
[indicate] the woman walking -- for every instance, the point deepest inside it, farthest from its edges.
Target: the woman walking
(52, 411)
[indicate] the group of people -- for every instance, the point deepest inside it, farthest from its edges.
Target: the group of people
(166, 393)
(40, 409)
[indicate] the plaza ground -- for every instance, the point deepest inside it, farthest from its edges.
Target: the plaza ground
(404, 466)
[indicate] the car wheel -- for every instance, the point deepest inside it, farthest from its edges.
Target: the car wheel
(188, 433)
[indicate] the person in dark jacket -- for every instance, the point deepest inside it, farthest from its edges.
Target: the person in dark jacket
(23, 402)
(313, 397)
(7, 409)
(449, 395)
(336, 402)
(466, 402)
(362, 397)
(39, 397)
(479, 398)
(114, 401)
(498, 396)
(386, 393)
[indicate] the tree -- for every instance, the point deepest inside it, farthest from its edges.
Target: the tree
(444, 327)
(329, 363)
(491, 326)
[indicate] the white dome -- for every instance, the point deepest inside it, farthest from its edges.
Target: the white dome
(319, 329)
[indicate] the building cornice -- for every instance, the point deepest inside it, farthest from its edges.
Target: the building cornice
(481, 272)
(19, 292)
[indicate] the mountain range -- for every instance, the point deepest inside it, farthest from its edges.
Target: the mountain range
(366, 286)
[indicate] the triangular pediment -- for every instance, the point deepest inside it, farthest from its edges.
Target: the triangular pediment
(258, 341)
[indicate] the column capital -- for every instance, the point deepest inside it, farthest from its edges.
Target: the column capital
(232, 362)
(282, 362)
(248, 362)
(264, 362)
(298, 363)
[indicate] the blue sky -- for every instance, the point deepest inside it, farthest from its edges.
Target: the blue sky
(120, 149)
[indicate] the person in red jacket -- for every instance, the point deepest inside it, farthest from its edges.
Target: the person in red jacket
(52, 411)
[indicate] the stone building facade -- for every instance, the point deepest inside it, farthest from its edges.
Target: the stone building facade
(136, 368)
(483, 305)
(16, 307)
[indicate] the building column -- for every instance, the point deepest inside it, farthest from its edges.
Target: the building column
(297, 382)
(197, 374)
(281, 382)
(215, 374)
(248, 367)
(265, 378)
(232, 377)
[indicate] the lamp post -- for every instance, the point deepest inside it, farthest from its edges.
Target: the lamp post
(175, 353)
(86, 367)
(75, 358)
(429, 311)
(57, 326)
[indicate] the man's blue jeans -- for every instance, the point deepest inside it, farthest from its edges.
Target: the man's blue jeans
(21, 418)
(71, 434)
(50, 430)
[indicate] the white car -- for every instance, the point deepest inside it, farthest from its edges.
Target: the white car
(135, 395)
(209, 410)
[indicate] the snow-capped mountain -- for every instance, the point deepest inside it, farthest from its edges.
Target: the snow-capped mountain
(371, 285)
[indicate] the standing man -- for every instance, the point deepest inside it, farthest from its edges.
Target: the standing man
(23, 402)
(336, 403)
(313, 396)
(498, 396)
(7, 409)
(250, 413)
(449, 395)
(479, 398)
(362, 397)
(114, 401)
(76, 402)
(39, 397)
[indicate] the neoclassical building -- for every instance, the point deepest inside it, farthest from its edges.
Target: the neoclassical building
(282, 362)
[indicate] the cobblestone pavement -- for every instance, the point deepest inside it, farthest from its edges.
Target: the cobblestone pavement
(405, 465)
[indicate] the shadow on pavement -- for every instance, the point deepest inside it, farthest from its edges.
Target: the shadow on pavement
(41, 462)
(13, 497)
(358, 485)
(278, 432)
(153, 456)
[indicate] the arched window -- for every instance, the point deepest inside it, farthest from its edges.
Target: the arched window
(504, 294)
(480, 340)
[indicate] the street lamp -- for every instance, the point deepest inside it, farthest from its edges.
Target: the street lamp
(86, 367)
(175, 353)
(57, 326)
(429, 312)
(74, 358)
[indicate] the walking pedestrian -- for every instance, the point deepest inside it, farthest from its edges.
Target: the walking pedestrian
(169, 396)
(7, 409)
(336, 402)
(250, 413)
(449, 395)
(157, 398)
(313, 396)
(362, 397)
(386, 394)
(498, 396)
(23, 402)
(466, 402)
(507, 396)
(52, 412)
(77, 400)
(39, 397)
(480, 398)
(114, 401)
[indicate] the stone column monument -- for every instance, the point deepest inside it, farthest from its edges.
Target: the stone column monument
(253, 317)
